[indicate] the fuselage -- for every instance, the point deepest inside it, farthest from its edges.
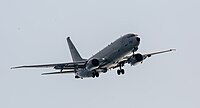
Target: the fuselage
(113, 53)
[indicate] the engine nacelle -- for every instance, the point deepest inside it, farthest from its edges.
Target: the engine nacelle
(136, 59)
(92, 64)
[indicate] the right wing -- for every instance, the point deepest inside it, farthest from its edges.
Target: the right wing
(71, 65)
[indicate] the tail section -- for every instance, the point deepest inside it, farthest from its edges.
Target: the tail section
(74, 53)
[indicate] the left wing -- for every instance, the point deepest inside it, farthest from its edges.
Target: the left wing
(159, 52)
(137, 58)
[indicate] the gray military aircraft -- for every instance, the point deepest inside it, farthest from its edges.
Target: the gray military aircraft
(115, 55)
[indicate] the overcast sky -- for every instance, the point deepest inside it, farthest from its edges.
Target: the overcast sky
(35, 31)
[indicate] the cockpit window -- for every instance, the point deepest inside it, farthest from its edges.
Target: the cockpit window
(130, 36)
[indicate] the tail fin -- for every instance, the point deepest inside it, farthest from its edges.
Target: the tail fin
(74, 53)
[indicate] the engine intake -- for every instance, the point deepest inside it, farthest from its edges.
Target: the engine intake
(92, 64)
(95, 62)
(135, 59)
(138, 57)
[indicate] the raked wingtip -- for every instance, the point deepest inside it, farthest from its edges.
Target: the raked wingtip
(172, 49)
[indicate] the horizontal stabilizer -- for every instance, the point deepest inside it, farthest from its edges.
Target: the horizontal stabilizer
(53, 73)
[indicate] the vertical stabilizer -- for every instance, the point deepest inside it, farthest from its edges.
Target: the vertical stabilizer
(74, 53)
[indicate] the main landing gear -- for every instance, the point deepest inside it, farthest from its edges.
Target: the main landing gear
(120, 70)
(95, 74)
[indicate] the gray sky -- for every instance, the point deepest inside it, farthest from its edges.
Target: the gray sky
(34, 32)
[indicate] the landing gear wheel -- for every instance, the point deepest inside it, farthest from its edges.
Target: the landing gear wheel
(77, 77)
(122, 71)
(93, 75)
(118, 72)
(97, 74)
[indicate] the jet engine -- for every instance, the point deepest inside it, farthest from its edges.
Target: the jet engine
(92, 64)
(135, 59)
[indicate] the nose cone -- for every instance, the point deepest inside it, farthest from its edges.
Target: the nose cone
(138, 39)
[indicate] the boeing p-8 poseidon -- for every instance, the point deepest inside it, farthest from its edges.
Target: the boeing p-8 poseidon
(116, 55)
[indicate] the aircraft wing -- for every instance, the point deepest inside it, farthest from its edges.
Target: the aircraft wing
(159, 52)
(71, 65)
(132, 60)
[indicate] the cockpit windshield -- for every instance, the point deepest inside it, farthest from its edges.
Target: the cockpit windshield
(131, 35)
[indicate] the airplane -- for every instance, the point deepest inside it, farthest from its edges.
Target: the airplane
(115, 55)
